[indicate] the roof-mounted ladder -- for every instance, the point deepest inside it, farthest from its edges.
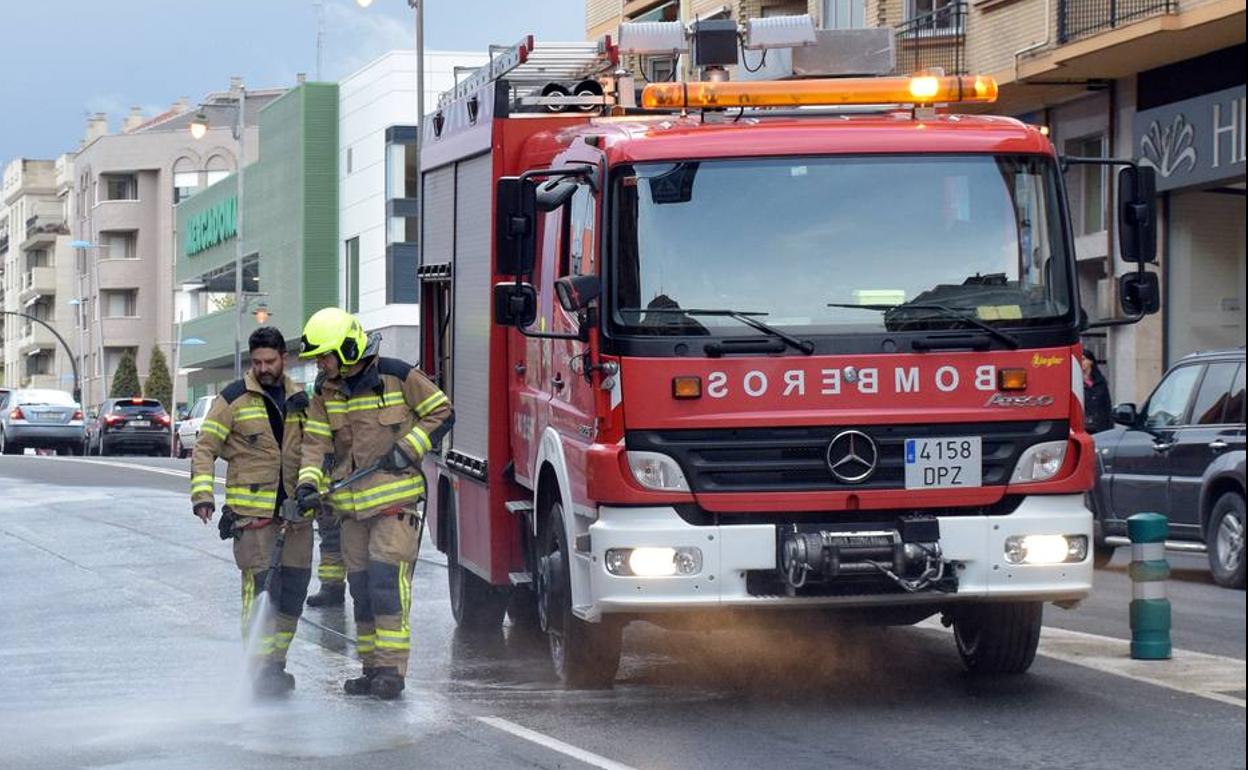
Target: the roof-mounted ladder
(529, 67)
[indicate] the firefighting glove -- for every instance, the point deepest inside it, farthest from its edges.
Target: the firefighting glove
(204, 511)
(309, 498)
(396, 460)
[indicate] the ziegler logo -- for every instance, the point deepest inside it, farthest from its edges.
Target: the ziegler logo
(1019, 401)
(1046, 361)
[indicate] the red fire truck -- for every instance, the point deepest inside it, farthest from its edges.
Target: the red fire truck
(754, 346)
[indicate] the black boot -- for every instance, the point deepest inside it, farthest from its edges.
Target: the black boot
(330, 595)
(387, 684)
(360, 685)
(272, 680)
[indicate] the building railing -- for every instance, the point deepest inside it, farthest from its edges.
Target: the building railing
(935, 39)
(1078, 19)
(39, 224)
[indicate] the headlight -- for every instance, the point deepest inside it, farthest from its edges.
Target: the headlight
(1046, 549)
(1040, 462)
(654, 562)
(654, 470)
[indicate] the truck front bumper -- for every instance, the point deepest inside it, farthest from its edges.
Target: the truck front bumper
(974, 545)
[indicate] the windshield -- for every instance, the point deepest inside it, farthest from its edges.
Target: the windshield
(45, 398)
(792, 238)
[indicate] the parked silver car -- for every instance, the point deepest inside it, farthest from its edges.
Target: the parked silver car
(41, 419)
(188, 429)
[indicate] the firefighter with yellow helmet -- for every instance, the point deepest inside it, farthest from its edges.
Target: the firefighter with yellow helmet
(367, 409)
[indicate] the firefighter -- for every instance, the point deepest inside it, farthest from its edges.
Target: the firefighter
(332, 572)
(367, 409)
(256, 425)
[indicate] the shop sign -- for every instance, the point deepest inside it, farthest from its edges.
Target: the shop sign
(211, 226)
(1195, 141)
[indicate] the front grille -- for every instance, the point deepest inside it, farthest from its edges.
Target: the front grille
(794, 459)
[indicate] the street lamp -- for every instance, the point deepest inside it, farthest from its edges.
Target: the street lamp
(178, 342)
(73, 363)
(199, 128)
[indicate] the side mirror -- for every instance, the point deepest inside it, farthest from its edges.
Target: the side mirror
(515, 221)
(576, 292)
(1137, 214)
(1139, 293)
(1125, 414)
(515, 304)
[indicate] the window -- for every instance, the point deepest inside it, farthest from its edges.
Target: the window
(1235, 411)
(120, 303)
(1214, 394)
(185, 184)
(119, 245)
(1168, 405)
(113, 356)
(212, 177)
(1086, 185)
(353, 275)
(401, 170)
(581, 241)
(37, 258)
(844, 14)
(120, 187)
(938, 15)
(39, 363)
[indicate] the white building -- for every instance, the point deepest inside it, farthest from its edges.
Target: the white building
(377, 222)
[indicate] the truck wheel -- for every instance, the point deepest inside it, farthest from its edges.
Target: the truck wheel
(476, 605)
(996, 639)
(1226, 541)
(522, 610)
(585, 655)
(1102, 554)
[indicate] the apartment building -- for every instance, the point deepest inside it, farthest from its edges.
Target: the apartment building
(37, 275)
(1157, 80)
(123, 191)
(378, 214)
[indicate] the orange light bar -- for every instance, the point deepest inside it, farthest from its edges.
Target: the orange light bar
(687, 387)
(921, 89)
(1012, 379)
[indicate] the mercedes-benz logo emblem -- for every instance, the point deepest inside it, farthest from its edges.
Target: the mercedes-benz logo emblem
(852, 456)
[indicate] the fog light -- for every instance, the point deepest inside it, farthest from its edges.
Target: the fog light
(654, 561)
(1046, 549)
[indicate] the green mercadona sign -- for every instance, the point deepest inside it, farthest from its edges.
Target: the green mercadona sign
(212, 226)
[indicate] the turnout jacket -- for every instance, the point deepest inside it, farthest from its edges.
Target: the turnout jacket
(237, 430)
(351, 426)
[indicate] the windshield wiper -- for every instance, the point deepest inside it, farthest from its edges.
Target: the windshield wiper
(748, 318)
(1006, 337)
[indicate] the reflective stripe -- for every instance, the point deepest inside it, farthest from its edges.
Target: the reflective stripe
(366, 643)
(317, 428)
(362, 403)
(249, 592)
(431, 403)
(395, 491)
(312, 473)
(393, 640)
(336, 407)
(215, 428)
(405, 596)
(1149, 590)
(197, 488)
(1148, 551)
(252, 413)
(259, 494)
(331, 572)
(418, 435)
(283, 639)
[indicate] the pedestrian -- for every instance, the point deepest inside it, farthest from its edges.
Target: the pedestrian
(256, 425)
(332, 571)
(1097, 405)
(366, 410)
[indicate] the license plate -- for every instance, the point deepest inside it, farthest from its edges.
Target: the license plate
(140, 424)
(943, 463)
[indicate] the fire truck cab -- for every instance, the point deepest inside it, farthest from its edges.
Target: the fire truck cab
(806, 345)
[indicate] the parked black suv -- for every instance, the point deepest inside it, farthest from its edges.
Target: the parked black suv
(130, 425)
(1180, 454)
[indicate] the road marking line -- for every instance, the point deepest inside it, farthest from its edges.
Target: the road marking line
(581, 755)
(164, 471)
(1195, 673)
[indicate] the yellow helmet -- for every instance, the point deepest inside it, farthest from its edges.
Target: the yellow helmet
(333, 330)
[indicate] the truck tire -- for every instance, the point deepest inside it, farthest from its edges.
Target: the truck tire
(997, 639)
(522, 611)
(1102, 554)
(475, 604)
(1226, 541)
(584, 655)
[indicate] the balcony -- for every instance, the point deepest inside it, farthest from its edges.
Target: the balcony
(43, 230)
(1078, 19)
(935, 39)
(35, 337)
(38, 281)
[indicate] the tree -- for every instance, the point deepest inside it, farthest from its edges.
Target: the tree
(158, 385)
(126, 378)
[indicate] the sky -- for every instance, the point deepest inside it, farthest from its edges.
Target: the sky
(63, 59)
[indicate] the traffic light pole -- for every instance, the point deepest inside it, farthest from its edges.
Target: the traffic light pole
(73, 362)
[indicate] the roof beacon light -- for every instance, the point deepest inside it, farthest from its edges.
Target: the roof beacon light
(779, 32)
(923, 89)
(653, 37)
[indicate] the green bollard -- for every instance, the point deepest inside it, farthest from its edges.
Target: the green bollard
(1150, 609)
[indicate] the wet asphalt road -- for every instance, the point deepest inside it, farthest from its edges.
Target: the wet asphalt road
(119, 645)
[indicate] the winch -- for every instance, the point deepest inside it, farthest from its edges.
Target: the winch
(909, 555)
